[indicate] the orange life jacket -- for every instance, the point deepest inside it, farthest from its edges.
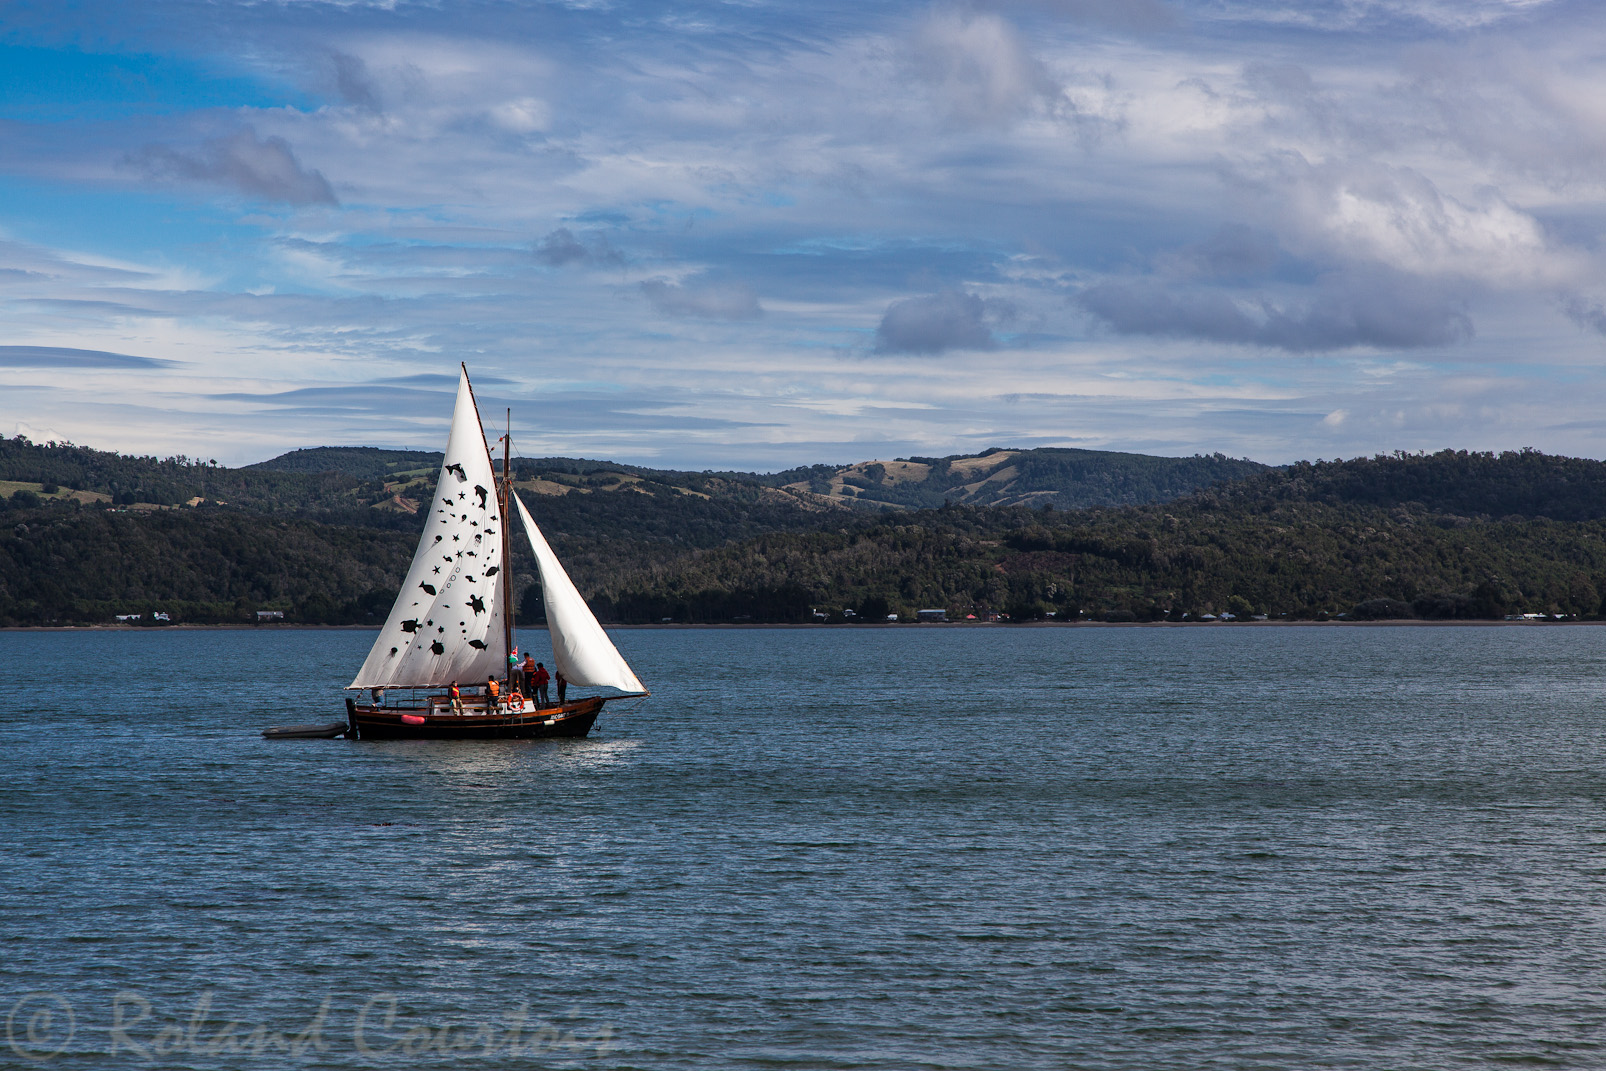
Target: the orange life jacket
(492, 689)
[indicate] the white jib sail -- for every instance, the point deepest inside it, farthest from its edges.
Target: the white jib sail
(447, 622)
(582, 651)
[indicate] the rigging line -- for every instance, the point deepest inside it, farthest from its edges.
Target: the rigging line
(507, 543)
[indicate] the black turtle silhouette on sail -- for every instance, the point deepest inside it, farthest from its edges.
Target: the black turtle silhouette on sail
(410, 625)
(437, 648)
(477, 603)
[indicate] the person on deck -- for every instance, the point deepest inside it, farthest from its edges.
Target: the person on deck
(529, 674)
(456, 696)
(493, 692)
(540, 680)
(563, 685)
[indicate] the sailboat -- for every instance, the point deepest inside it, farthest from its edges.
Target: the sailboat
(452, 624)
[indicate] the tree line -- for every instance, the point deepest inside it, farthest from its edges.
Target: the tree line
(1448, 535)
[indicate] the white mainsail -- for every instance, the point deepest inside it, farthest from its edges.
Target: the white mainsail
(580, 649)
(446, 624)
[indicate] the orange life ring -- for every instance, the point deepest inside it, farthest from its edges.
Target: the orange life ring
(514, 699)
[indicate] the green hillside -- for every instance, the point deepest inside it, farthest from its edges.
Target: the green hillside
(358, 462)
(1519, 483)
(86, 534)
(1064, 479)
(1447, 535)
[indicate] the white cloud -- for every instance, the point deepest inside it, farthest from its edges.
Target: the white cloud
(526, 115)
(979, 67)
(710, 301)
(1397, 217)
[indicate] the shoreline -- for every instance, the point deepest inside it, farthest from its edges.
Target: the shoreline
(887, 625)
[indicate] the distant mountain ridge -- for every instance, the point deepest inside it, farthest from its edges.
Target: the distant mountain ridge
(90, 533)
(1469, 484)
(1452, 535)
(1044, 476)
(359, 462)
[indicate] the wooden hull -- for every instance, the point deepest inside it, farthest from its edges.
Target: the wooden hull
(572, 719)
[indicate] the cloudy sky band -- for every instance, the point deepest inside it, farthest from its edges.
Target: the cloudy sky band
(752, 236)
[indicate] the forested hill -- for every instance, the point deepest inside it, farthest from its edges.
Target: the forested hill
(340, 483)
(1450, 535)
(85, 534)
(358, 462)
(1061, 478)
(1521, 483)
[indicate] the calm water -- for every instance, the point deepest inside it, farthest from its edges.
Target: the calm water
(946, 848)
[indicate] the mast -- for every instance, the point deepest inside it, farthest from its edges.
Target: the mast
(507, 514)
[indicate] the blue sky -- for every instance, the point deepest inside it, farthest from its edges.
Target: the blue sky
(752, 235)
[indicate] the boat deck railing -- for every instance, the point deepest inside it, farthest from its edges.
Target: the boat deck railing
(437, 703)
